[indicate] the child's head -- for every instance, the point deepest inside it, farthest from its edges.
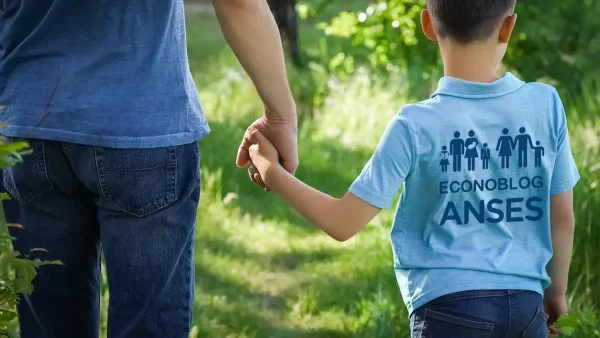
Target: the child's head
(485, 145)
(468, 22)
(444, 148)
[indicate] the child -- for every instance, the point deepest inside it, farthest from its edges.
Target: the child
(539, 152)
(485, 156)
(444, 162)
(474, 251)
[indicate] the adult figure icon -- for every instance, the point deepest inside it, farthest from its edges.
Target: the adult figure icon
(457, 149)
(523, 142)
(471, 152)
(504, 148)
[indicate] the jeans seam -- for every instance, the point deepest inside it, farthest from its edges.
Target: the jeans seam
(98, 158)
(511, 302)
(484, 294)
(458, 320)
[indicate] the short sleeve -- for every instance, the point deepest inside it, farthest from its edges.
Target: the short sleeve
(564, 174)
(388, 168)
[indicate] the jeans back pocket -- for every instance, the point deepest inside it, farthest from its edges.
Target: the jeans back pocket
(441, 325)
(138, 181)
(29, 179)
(538, 327)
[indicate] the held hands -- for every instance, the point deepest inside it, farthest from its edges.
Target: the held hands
(280, 133)
(265, 159)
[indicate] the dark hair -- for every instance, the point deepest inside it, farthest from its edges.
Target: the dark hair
(466, 21)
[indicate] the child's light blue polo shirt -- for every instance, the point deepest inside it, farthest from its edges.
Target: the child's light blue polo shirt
(480, 161)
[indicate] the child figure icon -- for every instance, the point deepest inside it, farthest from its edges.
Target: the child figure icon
(444, 162)
(539, 152)
(485, 156)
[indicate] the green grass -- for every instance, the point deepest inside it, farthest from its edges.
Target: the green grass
(261, 270)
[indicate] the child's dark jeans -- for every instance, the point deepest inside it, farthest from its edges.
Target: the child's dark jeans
(482, 314)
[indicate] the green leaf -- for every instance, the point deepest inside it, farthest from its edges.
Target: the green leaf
(8, 296)
(25, 269)
(39, 263)
(21, 287)
(4, 196)
(567, 330)
(567, 321)
(6, 236)
(6, 316)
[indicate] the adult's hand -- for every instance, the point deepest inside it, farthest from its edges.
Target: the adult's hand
(251, 31)
(282, 132)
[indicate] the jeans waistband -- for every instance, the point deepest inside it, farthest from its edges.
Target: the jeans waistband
(475, 294)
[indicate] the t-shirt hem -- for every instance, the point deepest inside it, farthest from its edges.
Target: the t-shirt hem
(119, 142)
(533, 285)
(369, 197)
(564, 186)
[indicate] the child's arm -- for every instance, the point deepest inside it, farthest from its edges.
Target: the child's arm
(564, 178)
(339, 218)
(563, 231)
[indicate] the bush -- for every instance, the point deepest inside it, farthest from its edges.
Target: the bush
(387, 35)
(16, 270)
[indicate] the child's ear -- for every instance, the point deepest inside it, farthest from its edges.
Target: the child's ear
(427, 25)
(506, 28)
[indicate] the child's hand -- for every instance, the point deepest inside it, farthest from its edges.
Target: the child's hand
(263, 155)
(555, 305)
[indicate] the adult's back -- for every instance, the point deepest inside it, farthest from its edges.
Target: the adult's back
(116, 71)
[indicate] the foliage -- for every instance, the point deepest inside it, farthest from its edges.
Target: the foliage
(386, 35)
(585, 323)
(17, 271)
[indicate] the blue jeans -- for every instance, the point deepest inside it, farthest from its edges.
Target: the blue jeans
(137, 206)
(482, 314)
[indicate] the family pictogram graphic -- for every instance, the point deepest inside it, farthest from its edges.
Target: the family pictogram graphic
(506, 146)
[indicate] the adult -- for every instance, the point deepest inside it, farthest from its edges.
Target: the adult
(523, 142)
(103, 92)
(457, 149)
(471, 152)
(504, 148)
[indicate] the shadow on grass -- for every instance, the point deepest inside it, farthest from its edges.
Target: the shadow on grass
(363, 288)
(373, 298)
(229, 306)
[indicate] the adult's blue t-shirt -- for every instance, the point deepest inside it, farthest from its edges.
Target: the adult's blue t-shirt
(108, 73)
(479, 162)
